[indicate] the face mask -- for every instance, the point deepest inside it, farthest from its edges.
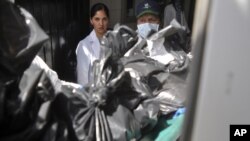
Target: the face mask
(146, 28)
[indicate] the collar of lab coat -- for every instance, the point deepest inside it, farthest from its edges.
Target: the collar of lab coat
(93, 37)
(95, 44)
(91, 42)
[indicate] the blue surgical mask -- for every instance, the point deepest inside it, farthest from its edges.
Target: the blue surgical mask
(146, 28)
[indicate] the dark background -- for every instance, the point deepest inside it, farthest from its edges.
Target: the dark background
(66, 22)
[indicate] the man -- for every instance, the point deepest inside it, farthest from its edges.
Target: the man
(174, 10)
(148, 22)
(148, 17)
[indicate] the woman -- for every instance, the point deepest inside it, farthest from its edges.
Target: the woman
(88, 49)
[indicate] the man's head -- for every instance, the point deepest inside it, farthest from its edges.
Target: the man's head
(148, 20)
(148, 11)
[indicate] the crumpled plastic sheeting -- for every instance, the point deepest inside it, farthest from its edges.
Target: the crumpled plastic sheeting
(94, 120)
(167, 88)
(20, 39)
(129, 77)
(124, 98)
(167, 80)
(103, 120)
(112, 98)
(26, 115)
(120, 40)
(37, 113)
(30, 109)
(38, 63)
(27, 109)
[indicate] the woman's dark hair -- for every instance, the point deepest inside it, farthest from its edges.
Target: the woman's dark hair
(97, 7)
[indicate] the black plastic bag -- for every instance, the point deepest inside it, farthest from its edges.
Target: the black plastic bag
(128, 78)
(20, 40)
(22, 114)
(119, 40)
(161, 66)
(25, 98)
(30, 108)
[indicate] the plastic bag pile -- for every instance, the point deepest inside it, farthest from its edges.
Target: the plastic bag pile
(136, 82)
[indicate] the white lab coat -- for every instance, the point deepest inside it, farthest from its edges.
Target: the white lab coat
(87, 51)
